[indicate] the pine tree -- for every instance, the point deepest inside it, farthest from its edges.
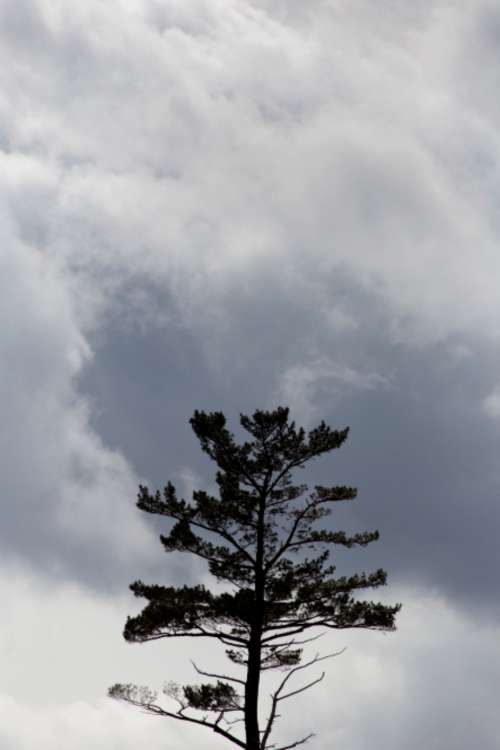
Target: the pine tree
(255, 536)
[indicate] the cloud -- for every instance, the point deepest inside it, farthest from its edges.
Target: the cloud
(228, 204)
(63, 489)
(306, 387)
(76, 651)
(402, 688)
(491, 403)
(102, 725)
(229, 175)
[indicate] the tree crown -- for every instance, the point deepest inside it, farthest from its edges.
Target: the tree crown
(259, 537)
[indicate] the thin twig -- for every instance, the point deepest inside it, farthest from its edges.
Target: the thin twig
(297, 743)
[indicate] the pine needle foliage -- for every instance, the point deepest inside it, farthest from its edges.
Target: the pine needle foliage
(258, 536)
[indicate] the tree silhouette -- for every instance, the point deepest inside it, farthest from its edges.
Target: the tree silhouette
(256, 536)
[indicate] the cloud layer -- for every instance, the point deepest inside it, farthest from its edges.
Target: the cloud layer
(166, 151)
(285, 204)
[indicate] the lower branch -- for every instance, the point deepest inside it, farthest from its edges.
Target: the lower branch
(277, 696)
(127, 693)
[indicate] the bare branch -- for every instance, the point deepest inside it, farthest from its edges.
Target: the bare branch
(276, 697)
(292, 629)
(301, 690)
(297, 743)
(278, 647)
(293, 642)
(216, 676)
(157, 710)
(234, 642)
(234, 721)
(226, 638)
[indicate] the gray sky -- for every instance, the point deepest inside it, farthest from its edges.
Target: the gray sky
(234, 204)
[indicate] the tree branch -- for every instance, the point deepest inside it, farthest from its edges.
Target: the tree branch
(287, 544)
(276, 697)
(157, 710)
(226, 638)
(302, 689)
(297, 743)
(293, 629)
(216, 676)
(224, 534)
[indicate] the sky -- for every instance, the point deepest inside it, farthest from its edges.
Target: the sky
(231, 205)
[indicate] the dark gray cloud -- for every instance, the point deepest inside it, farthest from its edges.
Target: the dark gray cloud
(422, 451)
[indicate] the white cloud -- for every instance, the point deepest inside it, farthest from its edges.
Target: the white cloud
(102, 725)
(197, 143)
(306, 386)
(428, 682)
(59, 481)
(491, 403)
(76, 651)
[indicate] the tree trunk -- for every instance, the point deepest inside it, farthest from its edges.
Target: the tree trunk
(252, 692)
(255, 646)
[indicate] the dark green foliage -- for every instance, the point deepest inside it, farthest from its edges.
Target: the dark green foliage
(256, 535)
(210, 697)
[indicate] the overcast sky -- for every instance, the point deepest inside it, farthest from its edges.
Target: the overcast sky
(230, 205)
